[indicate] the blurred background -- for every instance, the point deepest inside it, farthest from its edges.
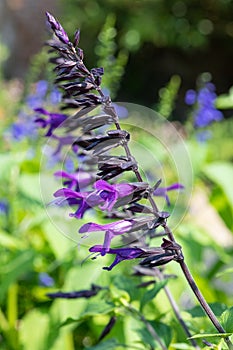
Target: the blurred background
(161, 38)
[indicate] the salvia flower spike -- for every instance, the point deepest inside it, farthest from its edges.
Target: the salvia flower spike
(82, 91)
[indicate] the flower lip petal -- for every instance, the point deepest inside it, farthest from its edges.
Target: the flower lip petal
(116, 227)
(68, 193)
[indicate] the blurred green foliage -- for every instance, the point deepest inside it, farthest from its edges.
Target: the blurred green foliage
(185, 24)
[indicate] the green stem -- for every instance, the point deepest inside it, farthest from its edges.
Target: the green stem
(12, 315)
(4, 325)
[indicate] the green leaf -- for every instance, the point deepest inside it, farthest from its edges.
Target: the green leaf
(163, 331)
(182, 346)
(69, 321)
(225, 101)
(227, 320)
(197, 311)
(110, 344)
(9, 241)
(222, 174)
(34, 330)
(96, 308)
(13, 270)
(150, 294)
(225, 272)
(207, 335)
(59, 244)
(92, 309)
(29, 185)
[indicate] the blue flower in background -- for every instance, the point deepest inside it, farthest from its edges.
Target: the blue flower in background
(55, 96)
(37, 99)
(24, 127)
(206, 112)
(190, 97)
(46, 280)
(4, 207)
(203, 135)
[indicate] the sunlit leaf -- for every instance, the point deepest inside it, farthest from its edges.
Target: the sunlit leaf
(222, 174)
(212, 335)
(150, 294)
(227, 320)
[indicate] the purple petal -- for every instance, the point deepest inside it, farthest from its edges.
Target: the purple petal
(41, 111)
(175, 186)
(121, 254)
(124, 189)
(116, 227)
(103, 185)
(68, 193)
(83, 207)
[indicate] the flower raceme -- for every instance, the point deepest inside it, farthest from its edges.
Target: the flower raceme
(81, 90)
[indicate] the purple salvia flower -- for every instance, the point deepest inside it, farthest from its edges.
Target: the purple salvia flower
(76, 37)
(162, 191)
(121, 254)
(53, 121)
(105, 196)
(111, 193)
(111, 230)
(74, 198)
(120, 227)
(77, 180)
(86, 293)
(61, 142)
(57, 28)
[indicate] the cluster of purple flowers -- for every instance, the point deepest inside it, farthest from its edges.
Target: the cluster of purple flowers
(25, 126)
(91, 184)
(205, 112)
